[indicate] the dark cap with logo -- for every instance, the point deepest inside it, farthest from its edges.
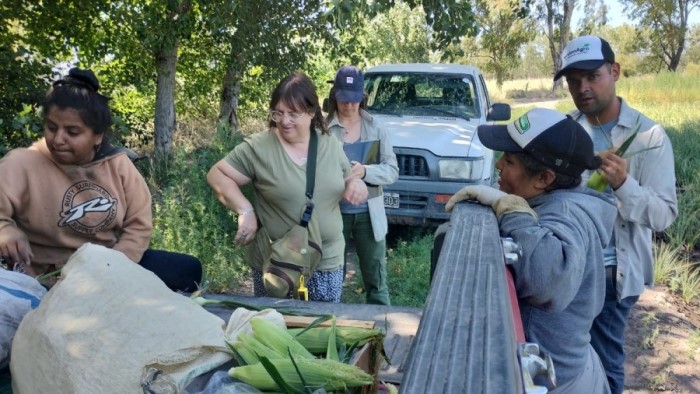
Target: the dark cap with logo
(550, 137)
(349, 85)
(585, 53)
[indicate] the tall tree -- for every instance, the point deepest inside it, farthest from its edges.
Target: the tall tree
(503, 32)
(595, 15)
(143, 36)
(399, 35)
(668, 22)
(274, 35)
(448, 20)
(556, 15)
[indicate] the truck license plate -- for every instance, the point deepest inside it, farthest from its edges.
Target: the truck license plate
(391, 200)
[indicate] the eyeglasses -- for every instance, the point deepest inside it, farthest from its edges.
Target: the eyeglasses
(278, 116)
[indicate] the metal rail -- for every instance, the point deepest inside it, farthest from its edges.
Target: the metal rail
(466, 341)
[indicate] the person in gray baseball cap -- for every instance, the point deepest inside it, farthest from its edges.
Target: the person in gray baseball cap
(644, 186)
(365, 225)
(562, 229)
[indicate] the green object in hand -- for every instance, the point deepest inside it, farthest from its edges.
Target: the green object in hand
(598, 181)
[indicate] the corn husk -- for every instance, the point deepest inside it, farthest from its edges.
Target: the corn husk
(308, 373)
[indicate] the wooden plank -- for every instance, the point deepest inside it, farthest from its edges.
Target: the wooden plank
(303, 321)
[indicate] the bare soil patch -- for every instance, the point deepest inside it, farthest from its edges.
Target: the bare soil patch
(662, 344)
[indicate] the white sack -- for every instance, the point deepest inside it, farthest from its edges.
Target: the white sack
(111, 326)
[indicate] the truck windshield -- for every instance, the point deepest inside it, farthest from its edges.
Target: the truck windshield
(422, 94)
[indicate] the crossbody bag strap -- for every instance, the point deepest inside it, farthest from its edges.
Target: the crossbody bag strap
(310, 178)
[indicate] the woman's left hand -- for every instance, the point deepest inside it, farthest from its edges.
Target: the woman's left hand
(355, 190)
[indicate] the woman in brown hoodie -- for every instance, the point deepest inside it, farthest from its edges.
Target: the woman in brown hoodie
(72, 186)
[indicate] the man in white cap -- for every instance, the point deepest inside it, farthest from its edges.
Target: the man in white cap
(644, 185)
(562, 229)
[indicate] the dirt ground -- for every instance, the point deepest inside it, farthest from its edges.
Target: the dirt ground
(662, 343)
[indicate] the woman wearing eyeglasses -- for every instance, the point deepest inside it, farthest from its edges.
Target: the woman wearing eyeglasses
(275, 162)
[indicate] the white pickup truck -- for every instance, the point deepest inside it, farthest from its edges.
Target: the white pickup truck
(431, 112)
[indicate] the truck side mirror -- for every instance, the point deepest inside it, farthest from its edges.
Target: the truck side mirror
(499, 111)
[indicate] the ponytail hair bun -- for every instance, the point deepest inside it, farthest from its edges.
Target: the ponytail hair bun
(80, 77)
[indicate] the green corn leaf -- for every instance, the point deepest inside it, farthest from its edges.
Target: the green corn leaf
(332, 350)
(277, 377)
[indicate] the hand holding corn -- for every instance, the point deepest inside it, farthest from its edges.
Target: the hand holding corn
(613, 171)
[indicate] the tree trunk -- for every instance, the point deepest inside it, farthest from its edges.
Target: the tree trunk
(228, 105)
(166, 63)
(558, 31)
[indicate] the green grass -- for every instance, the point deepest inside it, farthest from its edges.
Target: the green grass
(694, 344)
(408, 268)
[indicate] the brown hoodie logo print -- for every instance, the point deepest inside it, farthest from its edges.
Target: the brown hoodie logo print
(87, 208)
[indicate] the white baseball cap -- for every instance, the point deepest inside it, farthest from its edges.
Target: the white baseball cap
(585, 53)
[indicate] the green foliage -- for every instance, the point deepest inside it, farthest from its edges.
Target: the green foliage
(503, 32)
(23, 82)
(686, 283)
(399, 35)
(650, 322)
(448, 20)
(694, 343)
(665, 262)
(187, 216)
(668, 24)
(22, 130)
(408, 268)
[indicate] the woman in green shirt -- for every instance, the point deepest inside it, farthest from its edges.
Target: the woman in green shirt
(275, 163)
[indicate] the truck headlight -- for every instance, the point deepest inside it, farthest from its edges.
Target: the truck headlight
(461, 169)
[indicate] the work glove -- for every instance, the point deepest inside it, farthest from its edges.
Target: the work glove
(500, 202)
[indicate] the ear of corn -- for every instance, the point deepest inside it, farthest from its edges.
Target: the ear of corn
(597, 181)
(317, 373)
(251, 350)
(277, 338)
(316, 339)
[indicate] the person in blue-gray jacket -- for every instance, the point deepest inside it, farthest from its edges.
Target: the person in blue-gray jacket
(562, 229)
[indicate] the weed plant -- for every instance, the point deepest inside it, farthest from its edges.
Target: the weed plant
(408, 268)
(187, 216)
(694, 344)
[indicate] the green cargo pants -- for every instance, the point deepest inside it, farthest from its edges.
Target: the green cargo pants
(371, 255)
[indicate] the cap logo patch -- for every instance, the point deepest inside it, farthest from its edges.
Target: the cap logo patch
(523, 124)
(578, 51)
(349, 80)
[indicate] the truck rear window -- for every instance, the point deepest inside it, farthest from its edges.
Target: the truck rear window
(422, 94)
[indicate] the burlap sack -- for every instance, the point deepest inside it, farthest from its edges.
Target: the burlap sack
(110, 326)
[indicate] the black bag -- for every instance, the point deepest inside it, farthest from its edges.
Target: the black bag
(294, 257)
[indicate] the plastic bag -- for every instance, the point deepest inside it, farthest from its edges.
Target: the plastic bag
(19, 293)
